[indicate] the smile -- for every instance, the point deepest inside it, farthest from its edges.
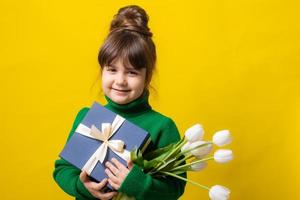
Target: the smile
(120, 90)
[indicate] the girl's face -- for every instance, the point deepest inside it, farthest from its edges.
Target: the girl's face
(123, 85)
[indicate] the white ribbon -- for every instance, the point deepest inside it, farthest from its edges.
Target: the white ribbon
(107, 130)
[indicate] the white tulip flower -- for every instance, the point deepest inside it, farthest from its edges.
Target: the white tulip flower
(223, 155)
(198, 166)
(219, 192)
(222, 138)
(200, 151)
(194, 133)
(185, 147)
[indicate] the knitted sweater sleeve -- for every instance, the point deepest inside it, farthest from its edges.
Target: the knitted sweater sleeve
(143, 186)
(66, 175)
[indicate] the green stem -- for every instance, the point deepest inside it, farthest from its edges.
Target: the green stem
(187, 180)
(191, 163)
(183, 159)
(165, 164)
(196, 147)
(179, 145)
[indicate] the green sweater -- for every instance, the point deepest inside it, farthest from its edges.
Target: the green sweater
(142, 186)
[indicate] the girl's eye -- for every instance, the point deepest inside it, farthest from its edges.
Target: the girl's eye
(132, 72)
(110, 69)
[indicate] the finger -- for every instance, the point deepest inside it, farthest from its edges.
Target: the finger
(116, 186)
(112, 168)
(100, 185)
(108, 195)
(130, 164)
(111, 175)
(117, 164)
(84, 177)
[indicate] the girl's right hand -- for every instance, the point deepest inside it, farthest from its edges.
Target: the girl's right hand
(94, 188)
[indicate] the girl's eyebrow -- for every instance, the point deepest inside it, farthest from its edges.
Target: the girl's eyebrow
(131, 68)
(127, 68)
(111, 65)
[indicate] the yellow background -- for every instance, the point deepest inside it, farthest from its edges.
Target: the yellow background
(226, 64)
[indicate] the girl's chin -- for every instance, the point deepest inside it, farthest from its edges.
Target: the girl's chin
(120, 100)
(122, 97)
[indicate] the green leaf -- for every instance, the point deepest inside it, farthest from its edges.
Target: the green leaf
(166, 164)
(158, 152)
(179, 171)
(162, 174)
(133, 155)
(137, 158)
(150, 164)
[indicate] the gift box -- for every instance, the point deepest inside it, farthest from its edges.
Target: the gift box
(99, 137)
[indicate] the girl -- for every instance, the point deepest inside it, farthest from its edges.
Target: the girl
(127, 59)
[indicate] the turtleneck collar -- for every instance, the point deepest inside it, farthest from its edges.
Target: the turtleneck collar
(136, 107)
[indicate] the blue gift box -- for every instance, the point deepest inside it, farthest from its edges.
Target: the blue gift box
(80, 148)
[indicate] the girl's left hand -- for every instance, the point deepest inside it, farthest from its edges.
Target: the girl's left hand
(116, 172)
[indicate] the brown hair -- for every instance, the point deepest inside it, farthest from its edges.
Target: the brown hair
(130, 40)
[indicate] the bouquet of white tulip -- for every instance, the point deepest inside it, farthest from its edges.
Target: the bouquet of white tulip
(188, 154)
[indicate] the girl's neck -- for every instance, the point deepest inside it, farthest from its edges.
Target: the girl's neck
(134, 108)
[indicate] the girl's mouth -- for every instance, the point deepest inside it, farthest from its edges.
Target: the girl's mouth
(119, 90)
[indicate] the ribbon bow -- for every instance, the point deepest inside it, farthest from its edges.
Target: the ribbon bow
(107, 131)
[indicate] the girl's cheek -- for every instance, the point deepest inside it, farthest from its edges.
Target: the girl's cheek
(106, 77)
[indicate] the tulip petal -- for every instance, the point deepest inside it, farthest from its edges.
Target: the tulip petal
(223, 155)
(194, 133)
(222, 138)
(219, 192)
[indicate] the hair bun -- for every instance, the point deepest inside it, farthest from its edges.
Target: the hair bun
(132, 18)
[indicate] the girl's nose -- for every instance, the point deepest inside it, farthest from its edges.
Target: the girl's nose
(121, 79)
